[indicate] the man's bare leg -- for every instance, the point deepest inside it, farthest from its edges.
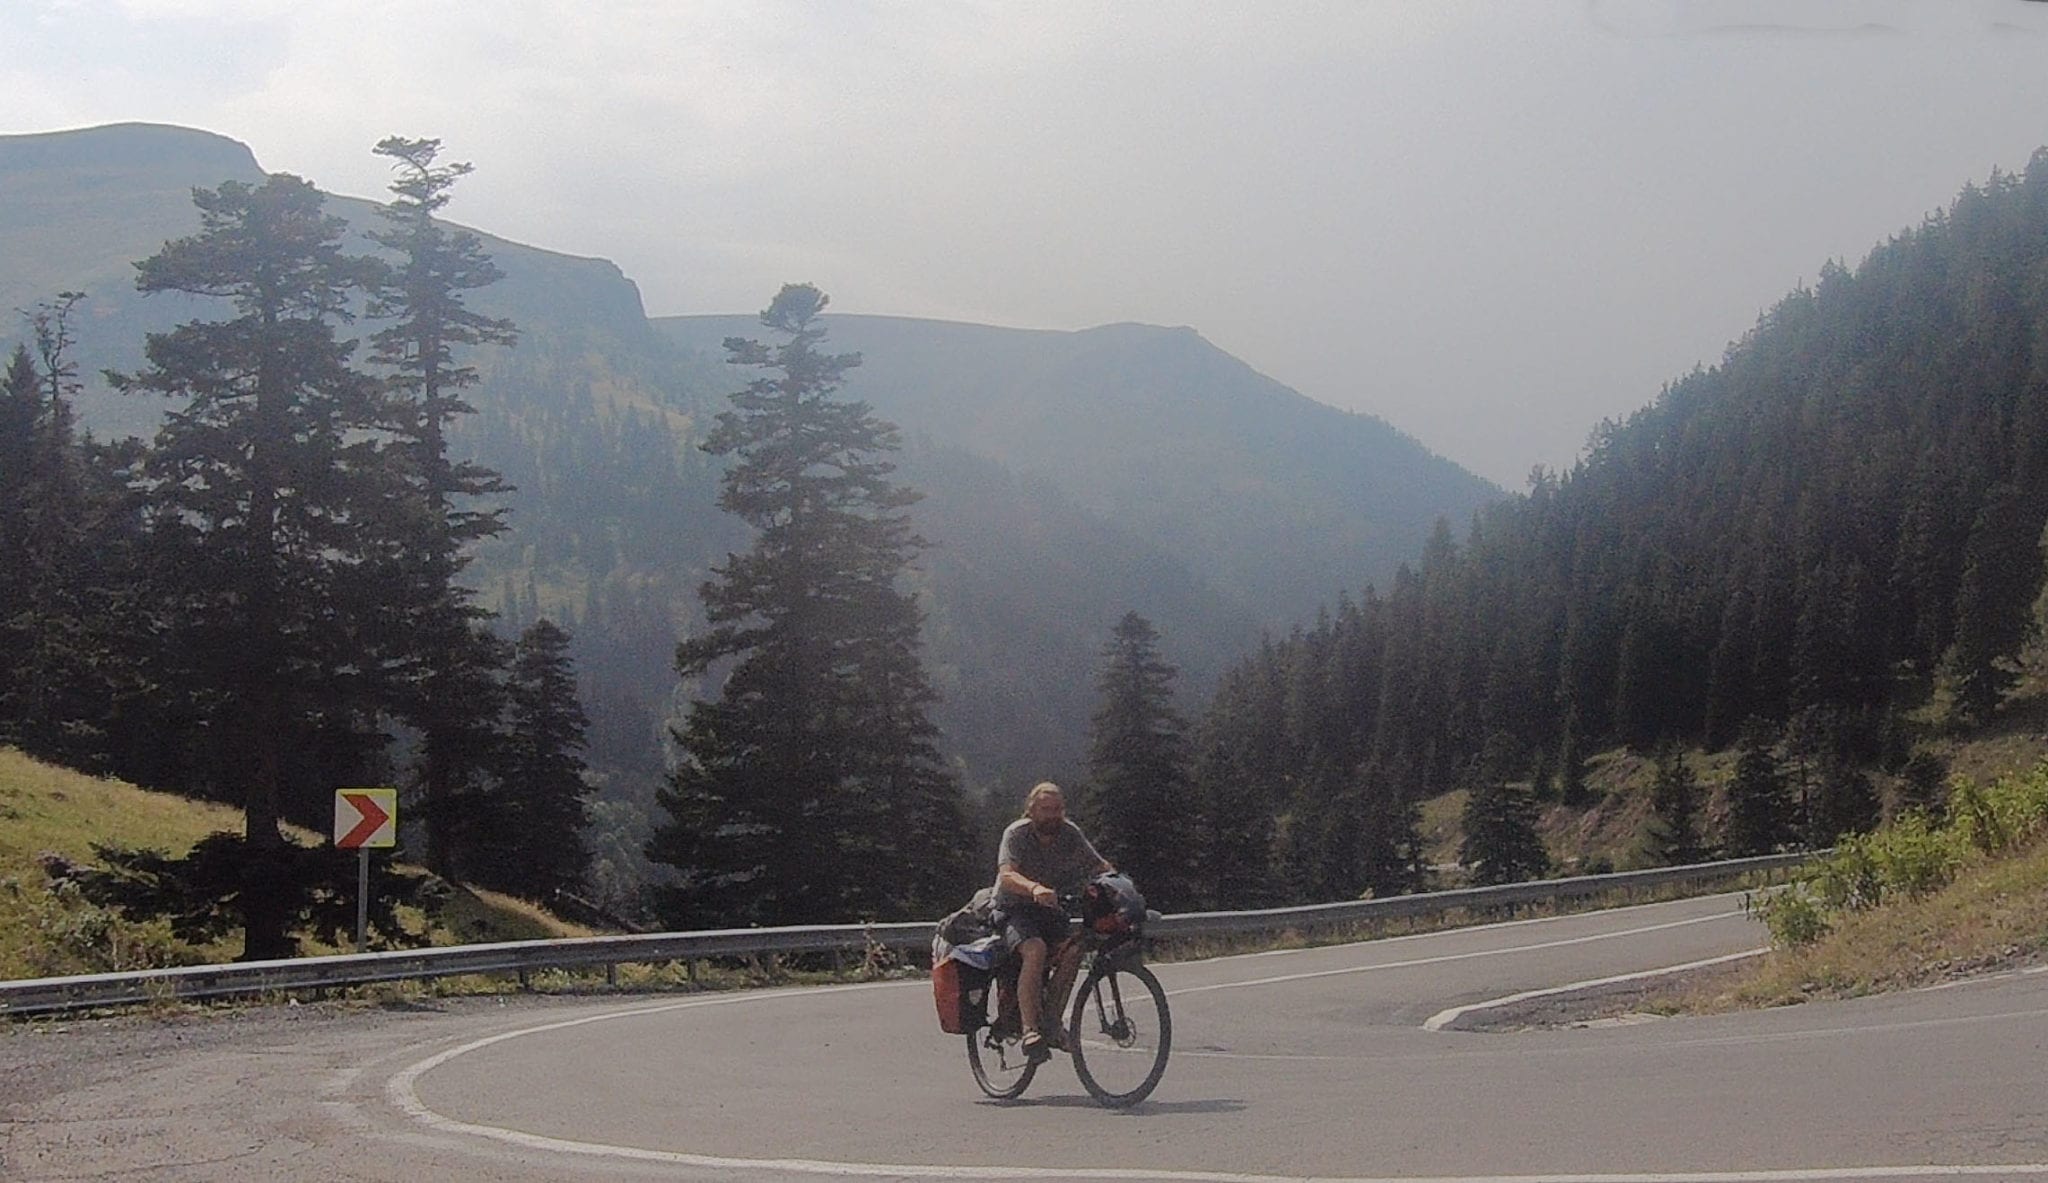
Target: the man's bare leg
(1031, 981)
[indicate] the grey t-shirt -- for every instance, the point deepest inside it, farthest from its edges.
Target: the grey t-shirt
(1064, 864)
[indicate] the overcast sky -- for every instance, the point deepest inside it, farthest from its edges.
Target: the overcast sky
(1493, 223)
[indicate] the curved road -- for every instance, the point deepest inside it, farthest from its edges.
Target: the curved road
(1336, 1063)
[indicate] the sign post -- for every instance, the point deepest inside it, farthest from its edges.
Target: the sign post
(364, 819)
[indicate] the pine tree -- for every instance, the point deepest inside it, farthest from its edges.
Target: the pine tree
(1571, 766)
(450, 660)
(1759, 816)
(1238, 816)
(2001, 575)
(1923, 782)
(531, 839)
(1845, 802)
(1501, 844)
(268, 483)
(1317, 844)
(20, 444)
(812, 789)
(69, 627)
(1389, 858)
(1139, 803)
(1674, 831)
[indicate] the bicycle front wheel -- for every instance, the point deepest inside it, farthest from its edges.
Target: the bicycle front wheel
(999, 1064)
(1120, 1033)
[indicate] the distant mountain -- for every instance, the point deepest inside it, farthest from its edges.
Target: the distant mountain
(1277, 500)
(1069, 477)
(78, 209)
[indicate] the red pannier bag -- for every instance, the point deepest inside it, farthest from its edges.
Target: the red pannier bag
(961, 993)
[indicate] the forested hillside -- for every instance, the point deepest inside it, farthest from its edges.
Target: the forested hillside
(1826, 546)
(1157, 474)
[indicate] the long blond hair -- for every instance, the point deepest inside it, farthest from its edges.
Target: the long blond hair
(1041, 789)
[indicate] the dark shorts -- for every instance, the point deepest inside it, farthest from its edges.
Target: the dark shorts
(1021, 922)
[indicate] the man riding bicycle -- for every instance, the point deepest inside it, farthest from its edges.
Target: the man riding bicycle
(1042, 856)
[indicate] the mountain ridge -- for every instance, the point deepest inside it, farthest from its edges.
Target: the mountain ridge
(1114, 414)
(1095, 472)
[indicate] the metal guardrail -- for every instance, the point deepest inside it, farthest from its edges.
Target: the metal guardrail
(85, 991)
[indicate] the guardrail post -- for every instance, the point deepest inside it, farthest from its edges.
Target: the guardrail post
(611, 974)
(691, 966)
(525, 984)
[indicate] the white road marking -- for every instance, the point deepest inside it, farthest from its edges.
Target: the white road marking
(402, 1092)
(1447, 957)
(1490, 926)
(1445, 1018)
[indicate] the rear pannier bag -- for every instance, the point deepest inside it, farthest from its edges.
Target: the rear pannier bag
(961, 993)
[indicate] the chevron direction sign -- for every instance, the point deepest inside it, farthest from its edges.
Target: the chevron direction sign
(365, 818)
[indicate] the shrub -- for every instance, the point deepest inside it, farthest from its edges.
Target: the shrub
(1912, 855)
(1792, 915)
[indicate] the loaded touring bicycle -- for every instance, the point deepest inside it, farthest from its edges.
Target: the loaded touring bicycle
(1118, 1029)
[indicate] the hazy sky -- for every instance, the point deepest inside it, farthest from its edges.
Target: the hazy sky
(1493, 223)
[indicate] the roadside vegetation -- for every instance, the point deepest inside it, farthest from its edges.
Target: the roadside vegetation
(52, 818)
(1928, 896)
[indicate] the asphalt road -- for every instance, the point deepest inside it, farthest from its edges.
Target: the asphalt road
(1319, 1063)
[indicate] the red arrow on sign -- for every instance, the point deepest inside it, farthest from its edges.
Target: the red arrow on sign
(374, 818)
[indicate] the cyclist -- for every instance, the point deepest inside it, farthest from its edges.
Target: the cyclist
(1042, 856)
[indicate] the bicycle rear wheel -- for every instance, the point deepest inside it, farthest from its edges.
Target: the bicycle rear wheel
(1120, 1033)
(999, 1064)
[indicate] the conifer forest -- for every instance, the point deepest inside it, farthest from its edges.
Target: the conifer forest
(783, 691)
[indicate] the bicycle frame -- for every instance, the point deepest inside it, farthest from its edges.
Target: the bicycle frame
(1114, 965)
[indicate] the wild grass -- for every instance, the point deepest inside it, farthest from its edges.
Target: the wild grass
(48, 930)
(1920, 901)
(45, 810)
(1910, 857)
(1993, 915)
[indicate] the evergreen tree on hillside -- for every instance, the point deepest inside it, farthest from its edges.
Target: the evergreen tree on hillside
(1317, 847)
(1139, 804)
(71, 634)
(1232, 797)
(450, 658)
(2001, 575)
(1759, 815)
(1501, 844)
(1845, 802)
(22, 443)
(1923, 782)
(1841, 516)
(1390, 858)
(1674, 832)
(1571, 767)
(531, 840)
(812, 789)
(270, 491)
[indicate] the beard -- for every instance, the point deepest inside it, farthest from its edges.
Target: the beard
(1047, 829)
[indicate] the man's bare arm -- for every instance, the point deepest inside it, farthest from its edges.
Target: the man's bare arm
(1011, 880)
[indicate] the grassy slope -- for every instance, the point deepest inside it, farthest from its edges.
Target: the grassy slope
(48, 810)
(1994, 915)
(45, 809)
(1612, 829)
